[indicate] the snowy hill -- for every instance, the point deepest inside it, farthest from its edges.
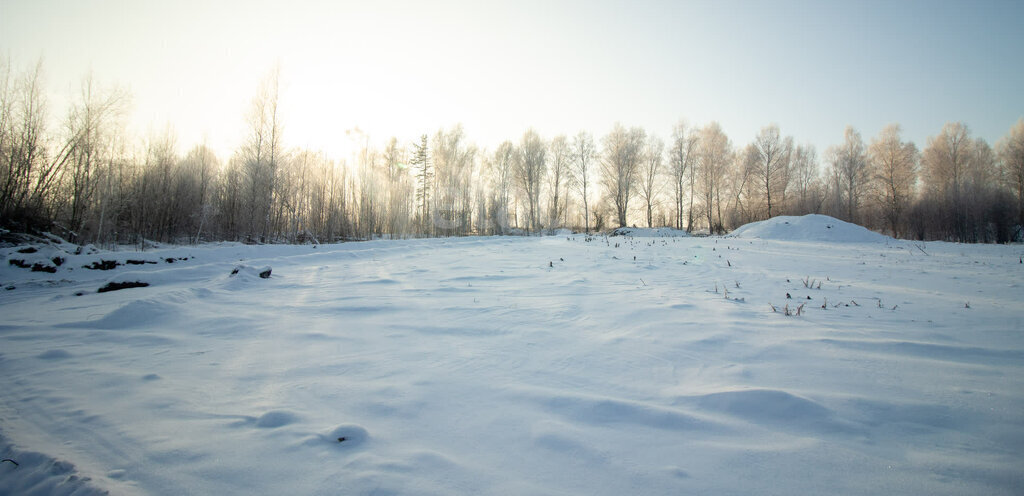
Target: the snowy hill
(813, 227)
(514, 365)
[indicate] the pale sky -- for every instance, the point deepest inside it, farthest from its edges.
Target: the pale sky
(405, 68)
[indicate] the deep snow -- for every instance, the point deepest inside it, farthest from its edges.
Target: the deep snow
(518, 366)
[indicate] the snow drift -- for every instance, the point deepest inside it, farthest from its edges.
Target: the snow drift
(514, 365)
(812, 227)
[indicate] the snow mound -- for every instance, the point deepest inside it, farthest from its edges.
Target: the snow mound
(32, 473)
(648, 232)
(813, 227)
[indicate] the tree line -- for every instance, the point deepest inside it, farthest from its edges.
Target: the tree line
(89, 182)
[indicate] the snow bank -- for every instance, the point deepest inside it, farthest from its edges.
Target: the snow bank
(646, 232)
(813, 227)
(516, 365)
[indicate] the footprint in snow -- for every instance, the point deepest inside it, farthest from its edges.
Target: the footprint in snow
(54, 355)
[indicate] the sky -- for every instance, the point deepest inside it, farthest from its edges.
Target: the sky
(352, 72)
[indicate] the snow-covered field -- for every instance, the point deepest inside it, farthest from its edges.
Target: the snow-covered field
(556, 365)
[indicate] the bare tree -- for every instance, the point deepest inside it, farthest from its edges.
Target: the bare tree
(770, 159)
(91, 129)
(558, 172)
(453, 180)
(746, 193)
(715, 156)
(200, 172)
(23, 168)
(261, 154)
(530, 166)
(894, 165)
(502, 165)
(806, 179)
(850, 164)
(650, 175)
(944, 163)
(370, 217)
(398, 188)
(682, 156)
(155, 209)
(424, 182)
(620, 166)
(583, 155)
(1011, 155)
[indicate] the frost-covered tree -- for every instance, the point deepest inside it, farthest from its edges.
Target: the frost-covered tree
(453, 160)
(894, 165)
(806, 180)
(531, 163)
(262, 155)
(715, 155)
(398, 188)
(944, 166)
(621, 156)
(682, 157)
(849, 163)
(583, 155)
(1011, 156)
(650, 175)
(769, 160)
(420, 162)
(26, 175)
(502, 165)
(557, 176)
(92, 129)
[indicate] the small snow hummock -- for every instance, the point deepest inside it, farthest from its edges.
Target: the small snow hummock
(261, 272)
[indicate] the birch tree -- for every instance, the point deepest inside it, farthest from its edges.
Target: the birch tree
(620, 166)
(650, 175)
(770, 160)
(559, 171)
(502, 165)
(894, 164)
(583, 155)
(1011, 155)
(715, 155)
(944, 166)
(682, 156)
(531, 162)
(850, 163)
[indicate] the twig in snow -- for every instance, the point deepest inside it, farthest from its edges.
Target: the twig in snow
(9, 460)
